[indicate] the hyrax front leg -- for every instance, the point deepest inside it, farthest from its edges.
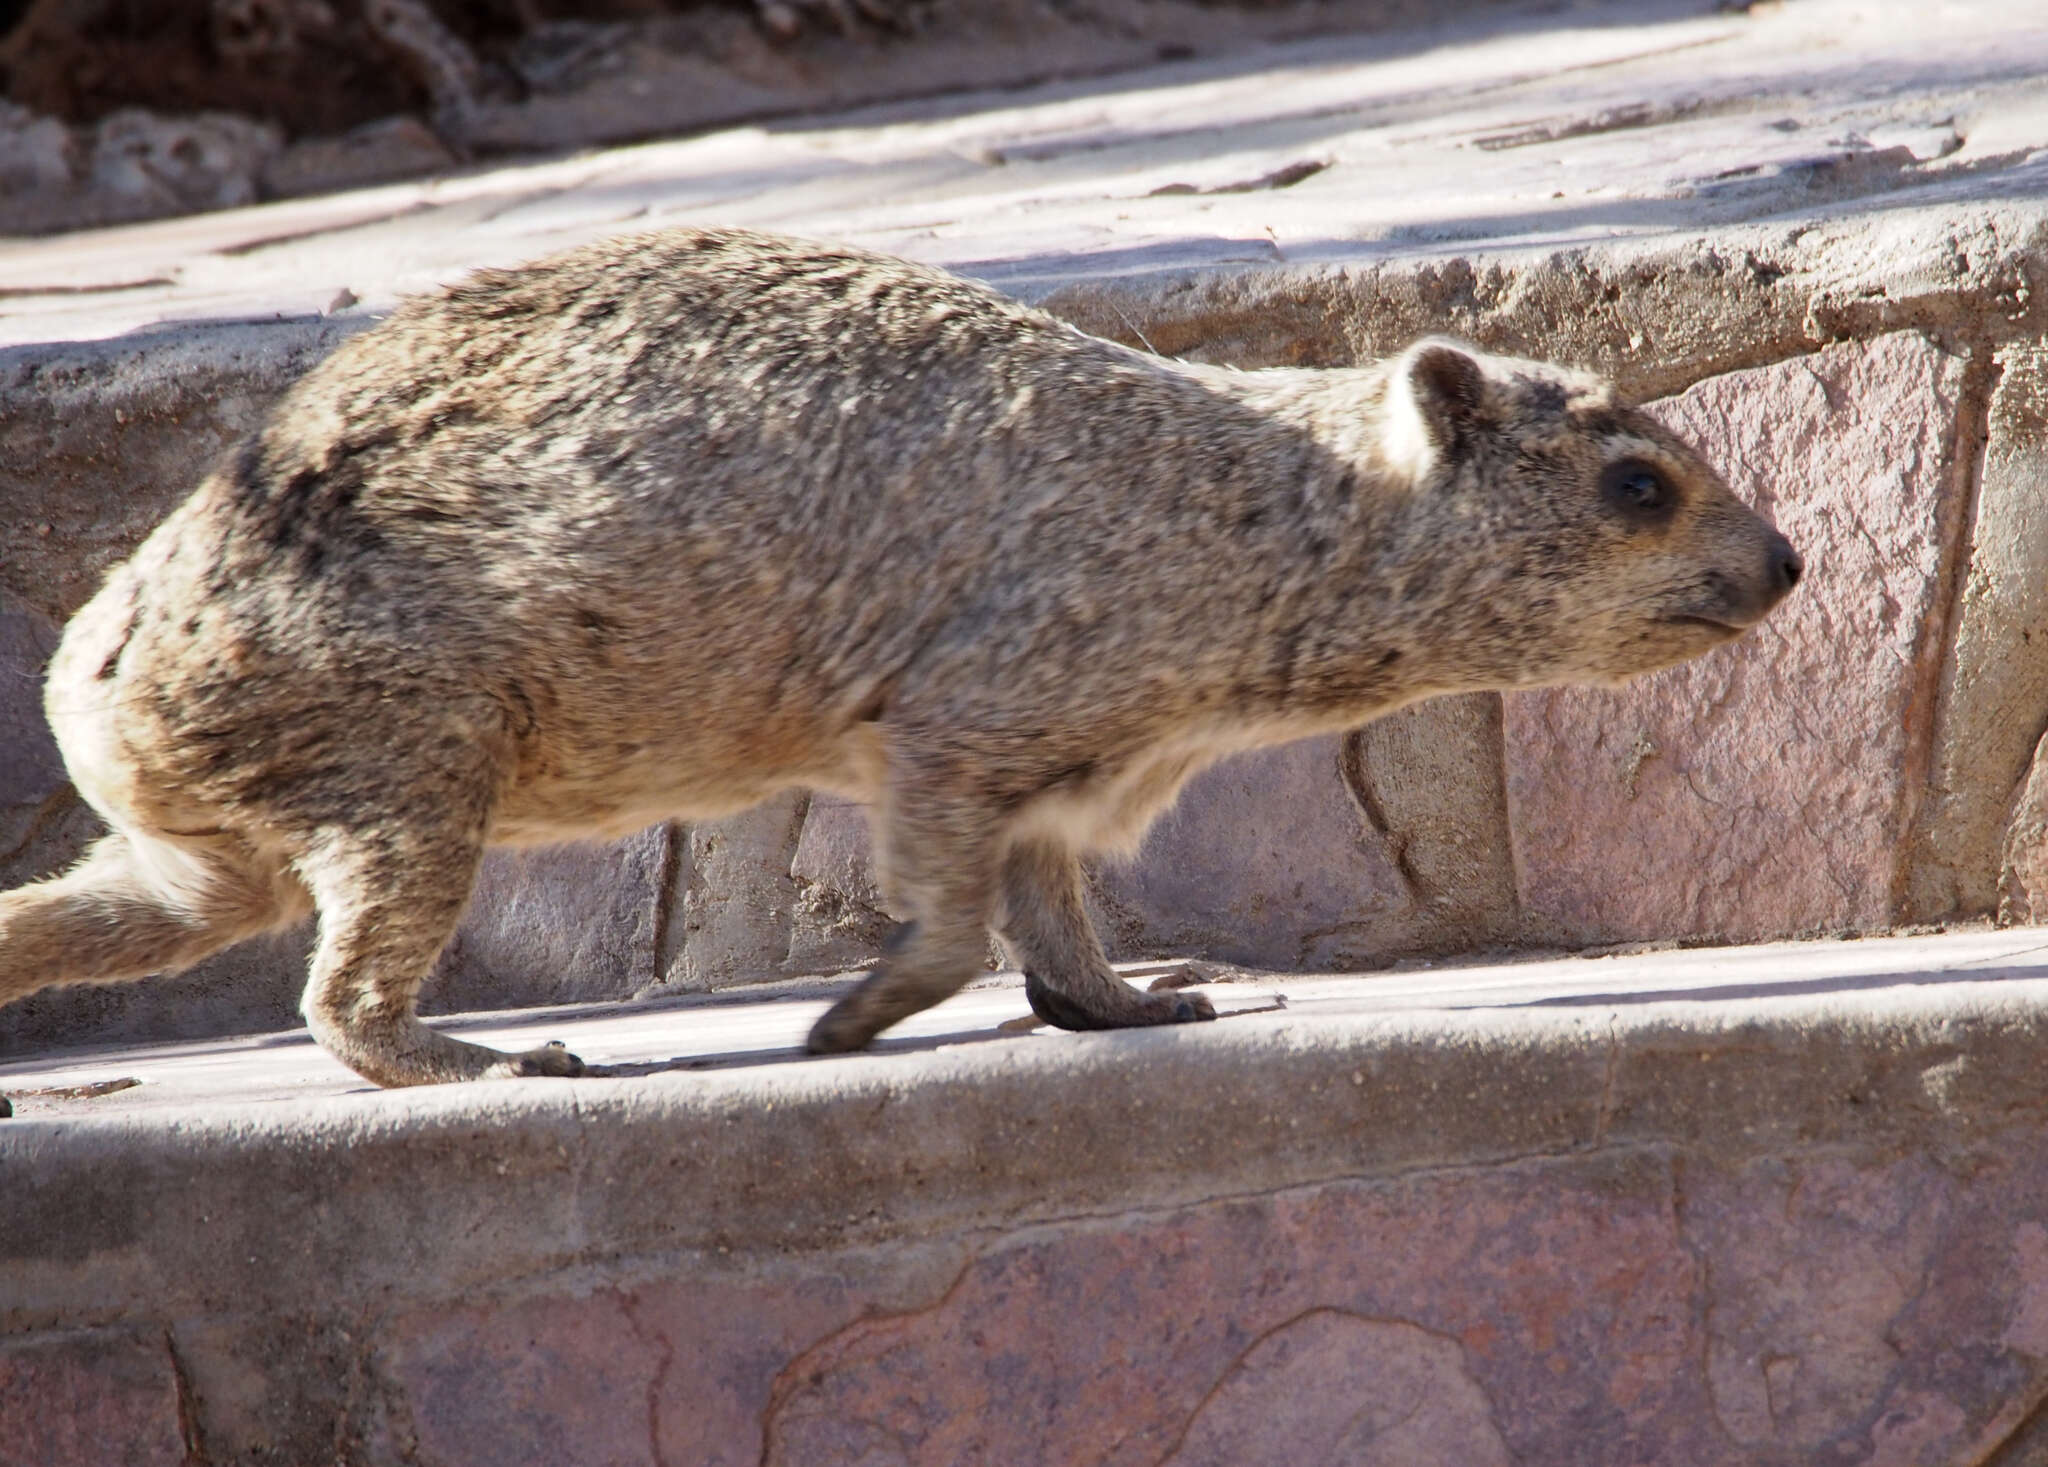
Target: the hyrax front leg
(1068, 982)
(942, 864)
(389, 900)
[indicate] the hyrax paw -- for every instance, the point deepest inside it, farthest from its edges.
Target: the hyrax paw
(552, 1059)
(1129, 1009)
(842, 1030)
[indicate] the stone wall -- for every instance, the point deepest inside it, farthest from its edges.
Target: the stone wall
(1873, 383)
(1799, 1233)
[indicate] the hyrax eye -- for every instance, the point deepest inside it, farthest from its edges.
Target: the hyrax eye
(1637, 490)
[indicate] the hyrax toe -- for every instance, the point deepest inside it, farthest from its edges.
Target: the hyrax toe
(1188, 1008)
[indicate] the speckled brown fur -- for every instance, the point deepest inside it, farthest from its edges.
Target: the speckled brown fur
(665, 524)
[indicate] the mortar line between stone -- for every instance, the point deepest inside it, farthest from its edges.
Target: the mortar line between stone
(189, 1430)
(1937, 655)
(2004, 1440)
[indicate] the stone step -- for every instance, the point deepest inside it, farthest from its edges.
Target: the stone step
(1773, 1205)
(1819, 246)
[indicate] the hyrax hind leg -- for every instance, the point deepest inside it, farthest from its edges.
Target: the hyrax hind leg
(1068, 982)
(389, 894)
(136, 905)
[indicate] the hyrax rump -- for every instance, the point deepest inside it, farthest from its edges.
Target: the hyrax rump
(661, 526)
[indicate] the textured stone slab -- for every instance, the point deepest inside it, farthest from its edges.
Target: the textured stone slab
(34, 791)
(1994, 694)
(88, 1398)
(1422, 1323)
(1430, 783)
(559, 925)
(1266, 859)
(1411, 1324)
(2023, 868)
(1767, 788)
(734, 901)
(1603, 1310)
(841, 914)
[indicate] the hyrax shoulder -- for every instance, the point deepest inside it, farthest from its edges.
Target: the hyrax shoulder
(662, 525)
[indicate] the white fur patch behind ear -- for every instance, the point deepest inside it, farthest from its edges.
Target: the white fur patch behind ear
(1438, 391)
(1405, 441)
(1436, 396)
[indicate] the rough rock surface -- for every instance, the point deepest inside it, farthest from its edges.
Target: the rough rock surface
(173, 108)
(736, 901)
(563, 924)
(1995, 704)
(1431, 784)
(1768, 787)
(90, 1396)
(841, 915)
(2023, 857)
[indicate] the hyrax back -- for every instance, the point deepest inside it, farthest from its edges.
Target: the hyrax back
(663, 525)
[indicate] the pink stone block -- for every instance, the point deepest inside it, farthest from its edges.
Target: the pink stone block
(557, 925)
(1610, 1309)
(1266, 859)
(1369, 1392)
(659, 1376)
(1457, 1320)
(1766, 788)
(89, 1399)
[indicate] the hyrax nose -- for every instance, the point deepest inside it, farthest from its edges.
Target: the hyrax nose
(1782, 567)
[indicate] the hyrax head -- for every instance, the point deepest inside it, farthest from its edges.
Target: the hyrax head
(1583, 540)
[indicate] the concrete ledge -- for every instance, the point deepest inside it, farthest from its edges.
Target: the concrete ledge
(1772, 1205)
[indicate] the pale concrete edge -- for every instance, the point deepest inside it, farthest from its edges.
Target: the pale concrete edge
(1848, 284)
(440, 1192)
(1657, 313)
(273, 350)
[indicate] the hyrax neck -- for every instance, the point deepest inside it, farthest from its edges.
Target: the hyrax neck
(1349, 583)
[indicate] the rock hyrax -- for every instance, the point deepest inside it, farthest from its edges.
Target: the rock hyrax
(661, 526)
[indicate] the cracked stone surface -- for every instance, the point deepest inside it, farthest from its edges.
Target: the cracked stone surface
(559, 925)
(1766, 789)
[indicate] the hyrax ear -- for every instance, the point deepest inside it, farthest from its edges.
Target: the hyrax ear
(1439, 395)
